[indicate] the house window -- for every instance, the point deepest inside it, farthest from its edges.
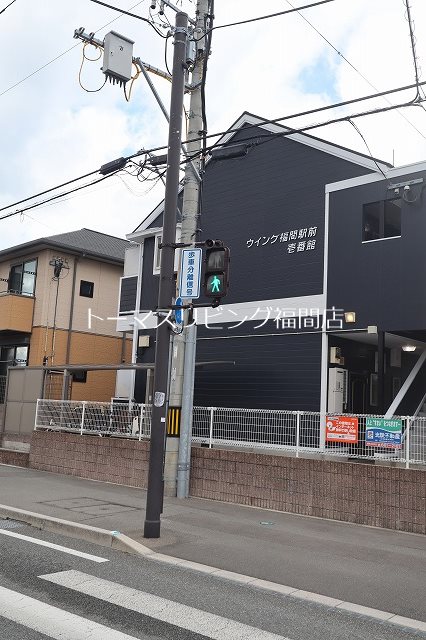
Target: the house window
(86, 289)
(79, 375)
(381, 220)
(157, 253)
(22, 278)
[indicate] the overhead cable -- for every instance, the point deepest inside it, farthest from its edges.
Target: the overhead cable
(413, 45)
(7, 7)
(262, 121)
(13, 86)
(266, 17)
(352, 66)
(260, 139)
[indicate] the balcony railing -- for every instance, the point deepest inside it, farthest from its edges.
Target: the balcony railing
(16, 312)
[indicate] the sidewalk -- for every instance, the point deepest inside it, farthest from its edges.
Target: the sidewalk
(374, 567)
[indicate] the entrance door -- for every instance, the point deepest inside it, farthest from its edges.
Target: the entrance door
(357, 393)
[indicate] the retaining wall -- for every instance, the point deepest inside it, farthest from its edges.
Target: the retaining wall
(381, 496)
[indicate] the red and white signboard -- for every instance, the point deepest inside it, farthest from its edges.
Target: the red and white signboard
(341, 429)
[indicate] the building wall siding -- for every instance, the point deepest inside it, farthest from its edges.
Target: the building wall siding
(383, 280)
(270, 371)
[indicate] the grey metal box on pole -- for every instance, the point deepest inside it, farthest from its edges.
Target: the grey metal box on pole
(118, 57)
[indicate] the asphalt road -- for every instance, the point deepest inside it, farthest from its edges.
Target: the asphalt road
(107, 595)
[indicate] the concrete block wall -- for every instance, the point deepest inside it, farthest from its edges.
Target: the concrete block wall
(109, 459)
(367, 494)
(380, 496)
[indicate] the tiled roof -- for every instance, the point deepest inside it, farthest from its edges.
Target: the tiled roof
(87, 241)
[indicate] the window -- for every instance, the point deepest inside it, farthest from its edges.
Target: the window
(381, 220)
(79, 376)
(157, 253)
(22, 278)
(86, 289)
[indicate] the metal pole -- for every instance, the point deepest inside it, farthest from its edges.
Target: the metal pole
(167, 285)
(83, 412)
(381, 372)
(181, 391)
(211, 427)
(407, 443)
(297, 433)
(184, 456)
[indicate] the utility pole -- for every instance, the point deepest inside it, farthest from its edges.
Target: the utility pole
(167, 289)
(183, 366)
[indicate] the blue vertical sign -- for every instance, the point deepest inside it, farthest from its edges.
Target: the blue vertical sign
(179, 312)
(190, 273)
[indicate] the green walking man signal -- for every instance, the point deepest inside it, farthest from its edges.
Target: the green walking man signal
(216, 272)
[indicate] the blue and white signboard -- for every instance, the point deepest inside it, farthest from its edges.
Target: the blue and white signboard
(190, 273)
(380, 432)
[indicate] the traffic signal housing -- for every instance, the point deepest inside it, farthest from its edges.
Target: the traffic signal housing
(216, 272)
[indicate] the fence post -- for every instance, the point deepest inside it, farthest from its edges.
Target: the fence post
(297, 433)
(141, 420)
(36, 415)
(83, 411)
(212, 409)
(407, 442)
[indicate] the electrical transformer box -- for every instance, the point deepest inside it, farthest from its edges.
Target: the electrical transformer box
(118, 56)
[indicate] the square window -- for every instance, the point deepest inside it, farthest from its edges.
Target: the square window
(381, 220)
(79, 376)
(86, 289)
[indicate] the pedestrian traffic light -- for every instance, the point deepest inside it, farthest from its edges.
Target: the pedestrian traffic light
(216, 273)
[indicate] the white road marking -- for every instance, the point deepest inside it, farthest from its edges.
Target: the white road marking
(51, 545)
(51, 621)
(206, 624)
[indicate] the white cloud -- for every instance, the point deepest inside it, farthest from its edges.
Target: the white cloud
(53, 130)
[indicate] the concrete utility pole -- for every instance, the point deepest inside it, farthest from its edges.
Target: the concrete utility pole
(167, 291)
(182, 377)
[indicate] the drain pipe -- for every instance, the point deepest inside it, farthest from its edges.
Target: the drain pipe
(74, 277)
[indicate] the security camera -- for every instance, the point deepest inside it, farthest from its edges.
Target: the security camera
(407, 187)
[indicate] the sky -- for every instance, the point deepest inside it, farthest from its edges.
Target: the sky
(52, 130)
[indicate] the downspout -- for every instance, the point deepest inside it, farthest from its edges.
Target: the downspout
(70, 319)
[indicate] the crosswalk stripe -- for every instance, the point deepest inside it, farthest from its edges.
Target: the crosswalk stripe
(206, 624)
(52, 621)
(51, 545)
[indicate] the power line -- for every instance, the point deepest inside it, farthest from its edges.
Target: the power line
(269, 136)
(7, 7)
(266, 17)
(13, 86)
(413, 45)
(59, 195)
(337, 105)
(263, 121)
(353, 66)
(128, 13)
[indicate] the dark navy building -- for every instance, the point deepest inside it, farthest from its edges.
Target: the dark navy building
(327, 265)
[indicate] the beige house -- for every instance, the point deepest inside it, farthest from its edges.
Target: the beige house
(58, 302)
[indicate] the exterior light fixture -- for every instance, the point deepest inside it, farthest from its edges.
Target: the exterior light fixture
(409, 347)
(350, 317)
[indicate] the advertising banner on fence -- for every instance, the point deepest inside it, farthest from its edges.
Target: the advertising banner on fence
(380, 432)
(342, 429)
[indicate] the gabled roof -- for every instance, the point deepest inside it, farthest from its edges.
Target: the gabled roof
(370, 163)
(87, 242)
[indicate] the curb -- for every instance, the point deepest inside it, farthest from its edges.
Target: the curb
(103, 537)
(121, 542)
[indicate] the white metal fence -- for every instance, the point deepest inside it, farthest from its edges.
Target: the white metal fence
(98, 418)
(299, 432)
